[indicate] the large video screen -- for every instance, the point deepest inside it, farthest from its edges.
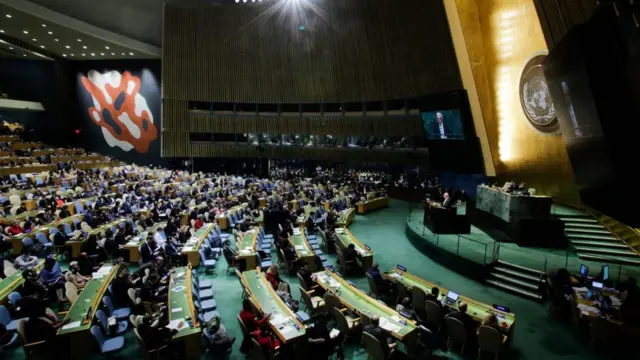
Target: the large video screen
(443, 125)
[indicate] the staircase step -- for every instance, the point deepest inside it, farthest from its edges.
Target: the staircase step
(586, 231)
(579, 220)
(514, 273)
(516, 282)
(605, 252)
(610, 259)
(592, 237)
(517, 290)
(602, 244)
(523, 269)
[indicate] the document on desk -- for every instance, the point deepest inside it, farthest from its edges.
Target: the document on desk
(334, 333)
(588, 308)
(187, 248)
(580, 289)
(388, 325)
(72, 325)
(178, 288)
(176, 310)
(299, 247)
(105, 269)
(177, 324)
(288, 331)
(277, 319)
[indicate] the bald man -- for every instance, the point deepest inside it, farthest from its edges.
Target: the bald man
(470, 325)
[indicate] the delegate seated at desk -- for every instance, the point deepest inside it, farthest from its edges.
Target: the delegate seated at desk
(448, 201)
(384, 286)
(381, 335)
(351, 254)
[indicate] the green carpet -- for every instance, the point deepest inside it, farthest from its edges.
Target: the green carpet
(536, 336)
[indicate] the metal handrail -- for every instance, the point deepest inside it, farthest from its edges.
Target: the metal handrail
(591, 213)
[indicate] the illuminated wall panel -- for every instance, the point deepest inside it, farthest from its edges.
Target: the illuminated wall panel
(501, 36)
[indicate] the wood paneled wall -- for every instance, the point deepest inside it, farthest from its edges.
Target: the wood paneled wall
(345, 126)
(558, 17)
(419, 157)
(351, 51)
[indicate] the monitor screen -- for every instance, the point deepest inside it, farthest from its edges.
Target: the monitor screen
(605, 272)
(453, 296)
(596, 285)
(442, 124)
(584, 270)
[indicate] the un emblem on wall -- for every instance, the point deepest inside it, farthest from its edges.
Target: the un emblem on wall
(535, 98)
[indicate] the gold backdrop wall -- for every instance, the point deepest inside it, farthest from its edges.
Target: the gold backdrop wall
(501, 36)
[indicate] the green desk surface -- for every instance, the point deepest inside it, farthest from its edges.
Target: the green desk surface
(247, 242)
(475, 309)
(52, 225)
(98, 230)
(179, 302)
(347, 238)
(12, 282)
(20, 217)
(85, 300)
(270, 303)
(300, 244)
(344, 215)
(360, 301)
(137, 241)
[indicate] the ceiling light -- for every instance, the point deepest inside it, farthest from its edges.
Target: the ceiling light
(93, 54)
(44, 25)
(9, 16)
(34, 39)
(84, 55)
(102, 54)
(50, 32)
(122, 53)
(72, 55)
(65, 55)
(56, 40)
(1, 31)
(10, 48)
(84, 46)
(106, 47)
(68, 47)
(131, 54)
(24, 55)
(79, 40)
(42, 46)
(25, 31)
(112, 54)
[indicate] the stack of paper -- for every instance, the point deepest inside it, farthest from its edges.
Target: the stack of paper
(187, 248)
(388, 325)
(299, 247)
(580, 289)
(277, 319)
(587, 308)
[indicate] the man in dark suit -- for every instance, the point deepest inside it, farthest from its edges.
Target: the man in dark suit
(148, 250)
(60, 237)
(440, 129)
(433, 296)
(448, 201)
(469, 324)
(381, 335)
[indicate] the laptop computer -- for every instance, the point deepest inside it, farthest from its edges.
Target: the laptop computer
(451, 298)
(596, 285)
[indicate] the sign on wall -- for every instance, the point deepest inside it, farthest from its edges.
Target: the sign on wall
(120, 110)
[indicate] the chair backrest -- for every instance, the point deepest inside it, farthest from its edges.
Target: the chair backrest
(103, 320)
(132, 320)
(342, 264)
(71, 295)
(14, 297)
(575, 312)
(5, 318)
(303, 284)
(97, 334)
(343, 325)
(372, 285)
(364, 320)
(373, 347)
(69, 285)
(418, 296)
(243, 327)
(455, 329)
(257, 353)
(434, 313)
(306, 299)
(107, 302)
(489, 340)
(332, 301)
(140, 341)
(42, 238)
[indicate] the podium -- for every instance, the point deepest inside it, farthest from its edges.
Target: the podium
(442, 220)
